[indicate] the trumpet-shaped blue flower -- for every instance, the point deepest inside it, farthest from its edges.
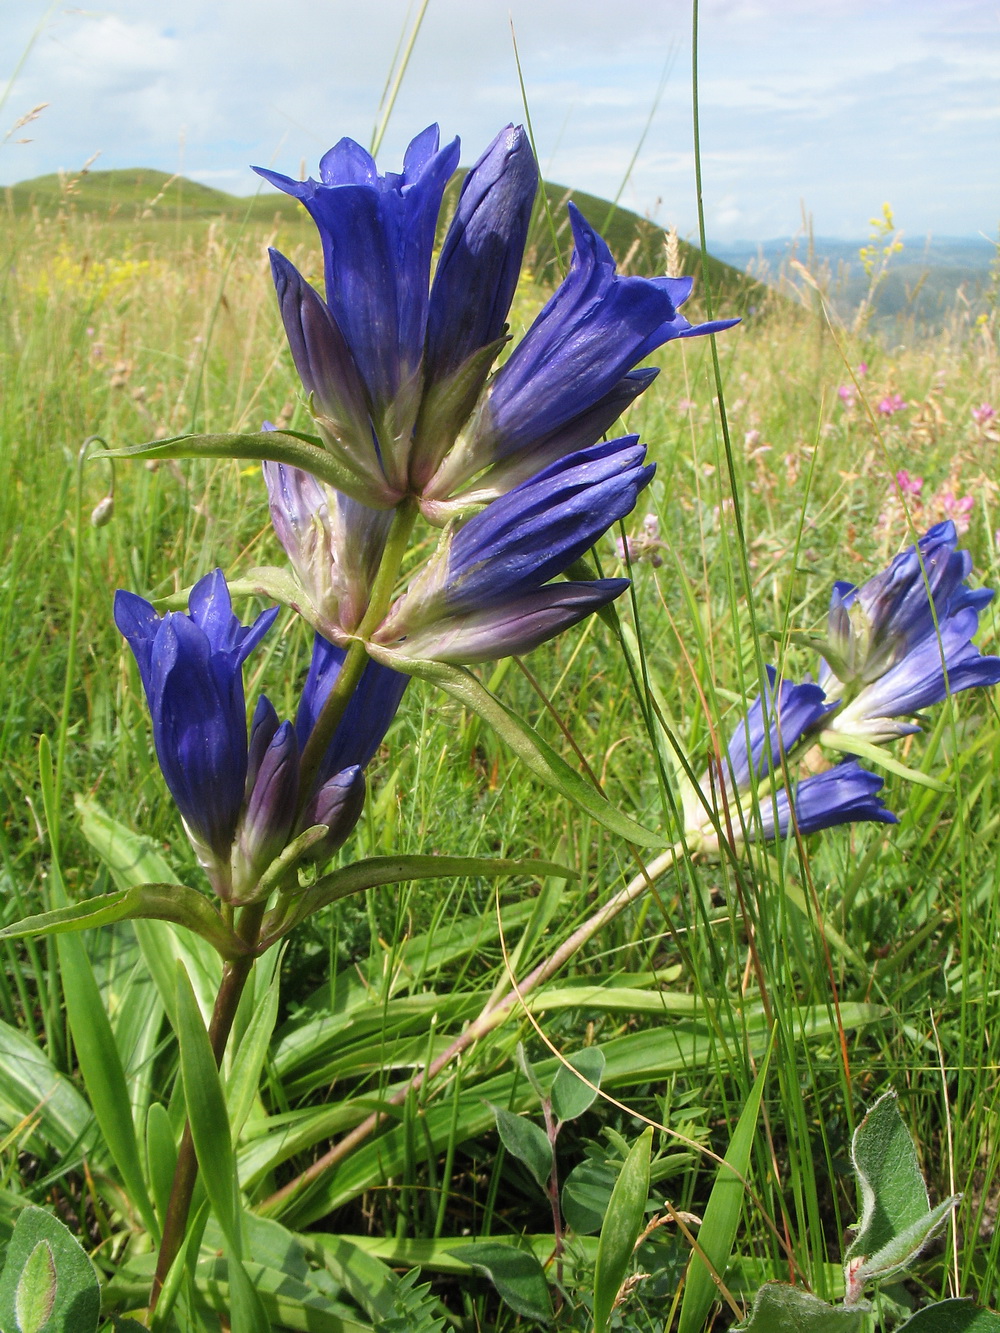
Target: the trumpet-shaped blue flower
(242, 802)
(191, 668)
(573, 361)
(377, 233)
(486, 594)
(370, 354)
(903, 640)
(756, 746)
(844, 794)
(939, 664)
(750, 775)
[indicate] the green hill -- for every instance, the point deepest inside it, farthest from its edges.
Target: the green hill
(139, 195)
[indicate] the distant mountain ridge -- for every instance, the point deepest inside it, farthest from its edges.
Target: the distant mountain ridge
(925, 283)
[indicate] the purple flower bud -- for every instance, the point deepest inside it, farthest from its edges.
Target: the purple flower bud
(270, 810)
(480, 260)
(333, 542)
(338, 805)
(262, 731)
(328, 373)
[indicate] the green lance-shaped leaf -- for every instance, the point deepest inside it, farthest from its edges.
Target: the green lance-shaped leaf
(378, 870)
(152, 902)
(526, 1141)
(722, 1213)
(896, 1217)
(48, 1284)
(572, 1095)
(279, 446)
(779, 1308)
(516, 1274)
(213, 1143)
(876, 755)
(953, 1316)
(530, 748)
(93, 1037)
(626, 1211)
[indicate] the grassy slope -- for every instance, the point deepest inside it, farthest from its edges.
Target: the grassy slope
(140, 195)
(132, 331)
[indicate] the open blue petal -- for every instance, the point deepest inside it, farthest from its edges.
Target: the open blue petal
(594, 329)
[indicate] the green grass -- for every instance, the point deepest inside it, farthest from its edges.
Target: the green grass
(874, 949)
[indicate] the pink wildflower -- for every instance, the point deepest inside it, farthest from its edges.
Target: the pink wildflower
(686, 404)
(907, 484)
(862, 370)
(846, 395)
(891, 403)
(957, 508)
(984, 413)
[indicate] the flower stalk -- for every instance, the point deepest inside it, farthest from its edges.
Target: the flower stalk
(234, 979)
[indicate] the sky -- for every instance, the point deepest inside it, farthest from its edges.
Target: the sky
(822, 107)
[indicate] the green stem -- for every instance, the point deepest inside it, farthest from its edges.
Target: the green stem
(357, 658)
(234, 978)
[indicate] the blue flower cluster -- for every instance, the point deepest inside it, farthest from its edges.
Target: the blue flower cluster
(899, 643)
(398, 370)
(903, 640)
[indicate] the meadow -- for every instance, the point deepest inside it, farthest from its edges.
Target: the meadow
(844, 963)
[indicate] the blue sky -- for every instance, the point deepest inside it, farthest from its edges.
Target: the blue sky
(832, 106)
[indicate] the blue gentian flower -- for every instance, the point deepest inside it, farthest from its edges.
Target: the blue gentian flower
(750, 778)
(486, 594)
(873, 627)
(903, 640)
(939, 664)
(573, 361)
(242, 802)
(191, 668)
(844, 794)
(370, 354)
(394, 366)
(378, 235)
(755, 750)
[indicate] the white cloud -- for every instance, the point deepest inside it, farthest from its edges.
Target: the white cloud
(841, 104)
